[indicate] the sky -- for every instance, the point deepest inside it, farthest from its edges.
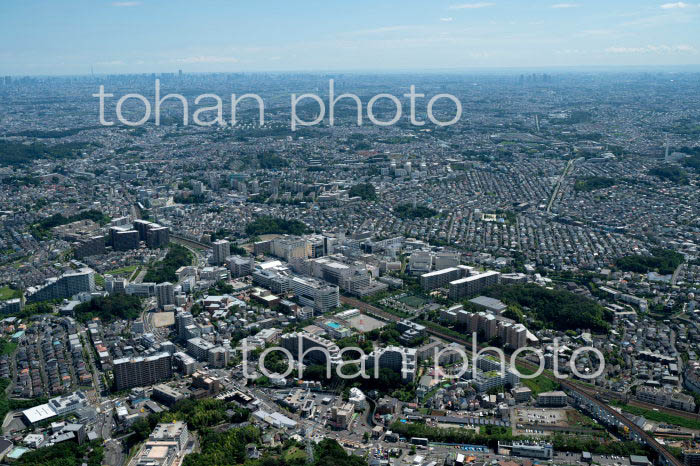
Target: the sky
(59, 37)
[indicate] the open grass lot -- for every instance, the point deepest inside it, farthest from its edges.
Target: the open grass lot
(539, 384)
(294, 454)
(8, 293)
(123, 271)
(413, 301)
(7, 347)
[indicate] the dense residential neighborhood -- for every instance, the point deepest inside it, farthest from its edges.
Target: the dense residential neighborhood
(518, 288)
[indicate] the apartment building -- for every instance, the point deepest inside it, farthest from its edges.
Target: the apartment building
(313, 347)
(472, 284)
(221, 250)
(665, 397)
(439, 278)
(142, 371)
(399, 359)
(67, 285)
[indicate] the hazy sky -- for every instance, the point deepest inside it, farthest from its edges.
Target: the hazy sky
(69, 36)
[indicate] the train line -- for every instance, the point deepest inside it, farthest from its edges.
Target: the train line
(590, 394)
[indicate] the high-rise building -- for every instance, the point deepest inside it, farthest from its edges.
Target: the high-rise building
(165, 293)
(199, 348)
(197, 187)
(270, 279)
(420, 262)
(90, 247)
(222, 249)
(123, 238)
(183, 320)
(142, 371)
(155, 235)
(11, 306)
(218, 357)
(444, 260)
(291, 247)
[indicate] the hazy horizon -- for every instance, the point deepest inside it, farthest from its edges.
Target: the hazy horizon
(42, 37)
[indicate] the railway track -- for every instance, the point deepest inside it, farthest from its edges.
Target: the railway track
(590, 394)
(369, 309)
(188, 242)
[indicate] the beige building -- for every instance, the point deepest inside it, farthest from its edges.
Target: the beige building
(341, 415)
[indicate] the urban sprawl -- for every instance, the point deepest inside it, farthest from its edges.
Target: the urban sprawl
(204, 295)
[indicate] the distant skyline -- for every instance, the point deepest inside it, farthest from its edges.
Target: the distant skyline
(49, 37)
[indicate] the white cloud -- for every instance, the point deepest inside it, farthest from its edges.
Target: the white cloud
(471, 6)
(565, 5)
(126, 4)
(384, 29)
(111, 63)
(595, 32)
(670, 6)
(446, 20)
(653, 49)
(207, 59)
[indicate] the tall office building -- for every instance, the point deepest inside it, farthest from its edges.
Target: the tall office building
(142, 371)
(222, 249)
(197, 187)
(165, 293)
